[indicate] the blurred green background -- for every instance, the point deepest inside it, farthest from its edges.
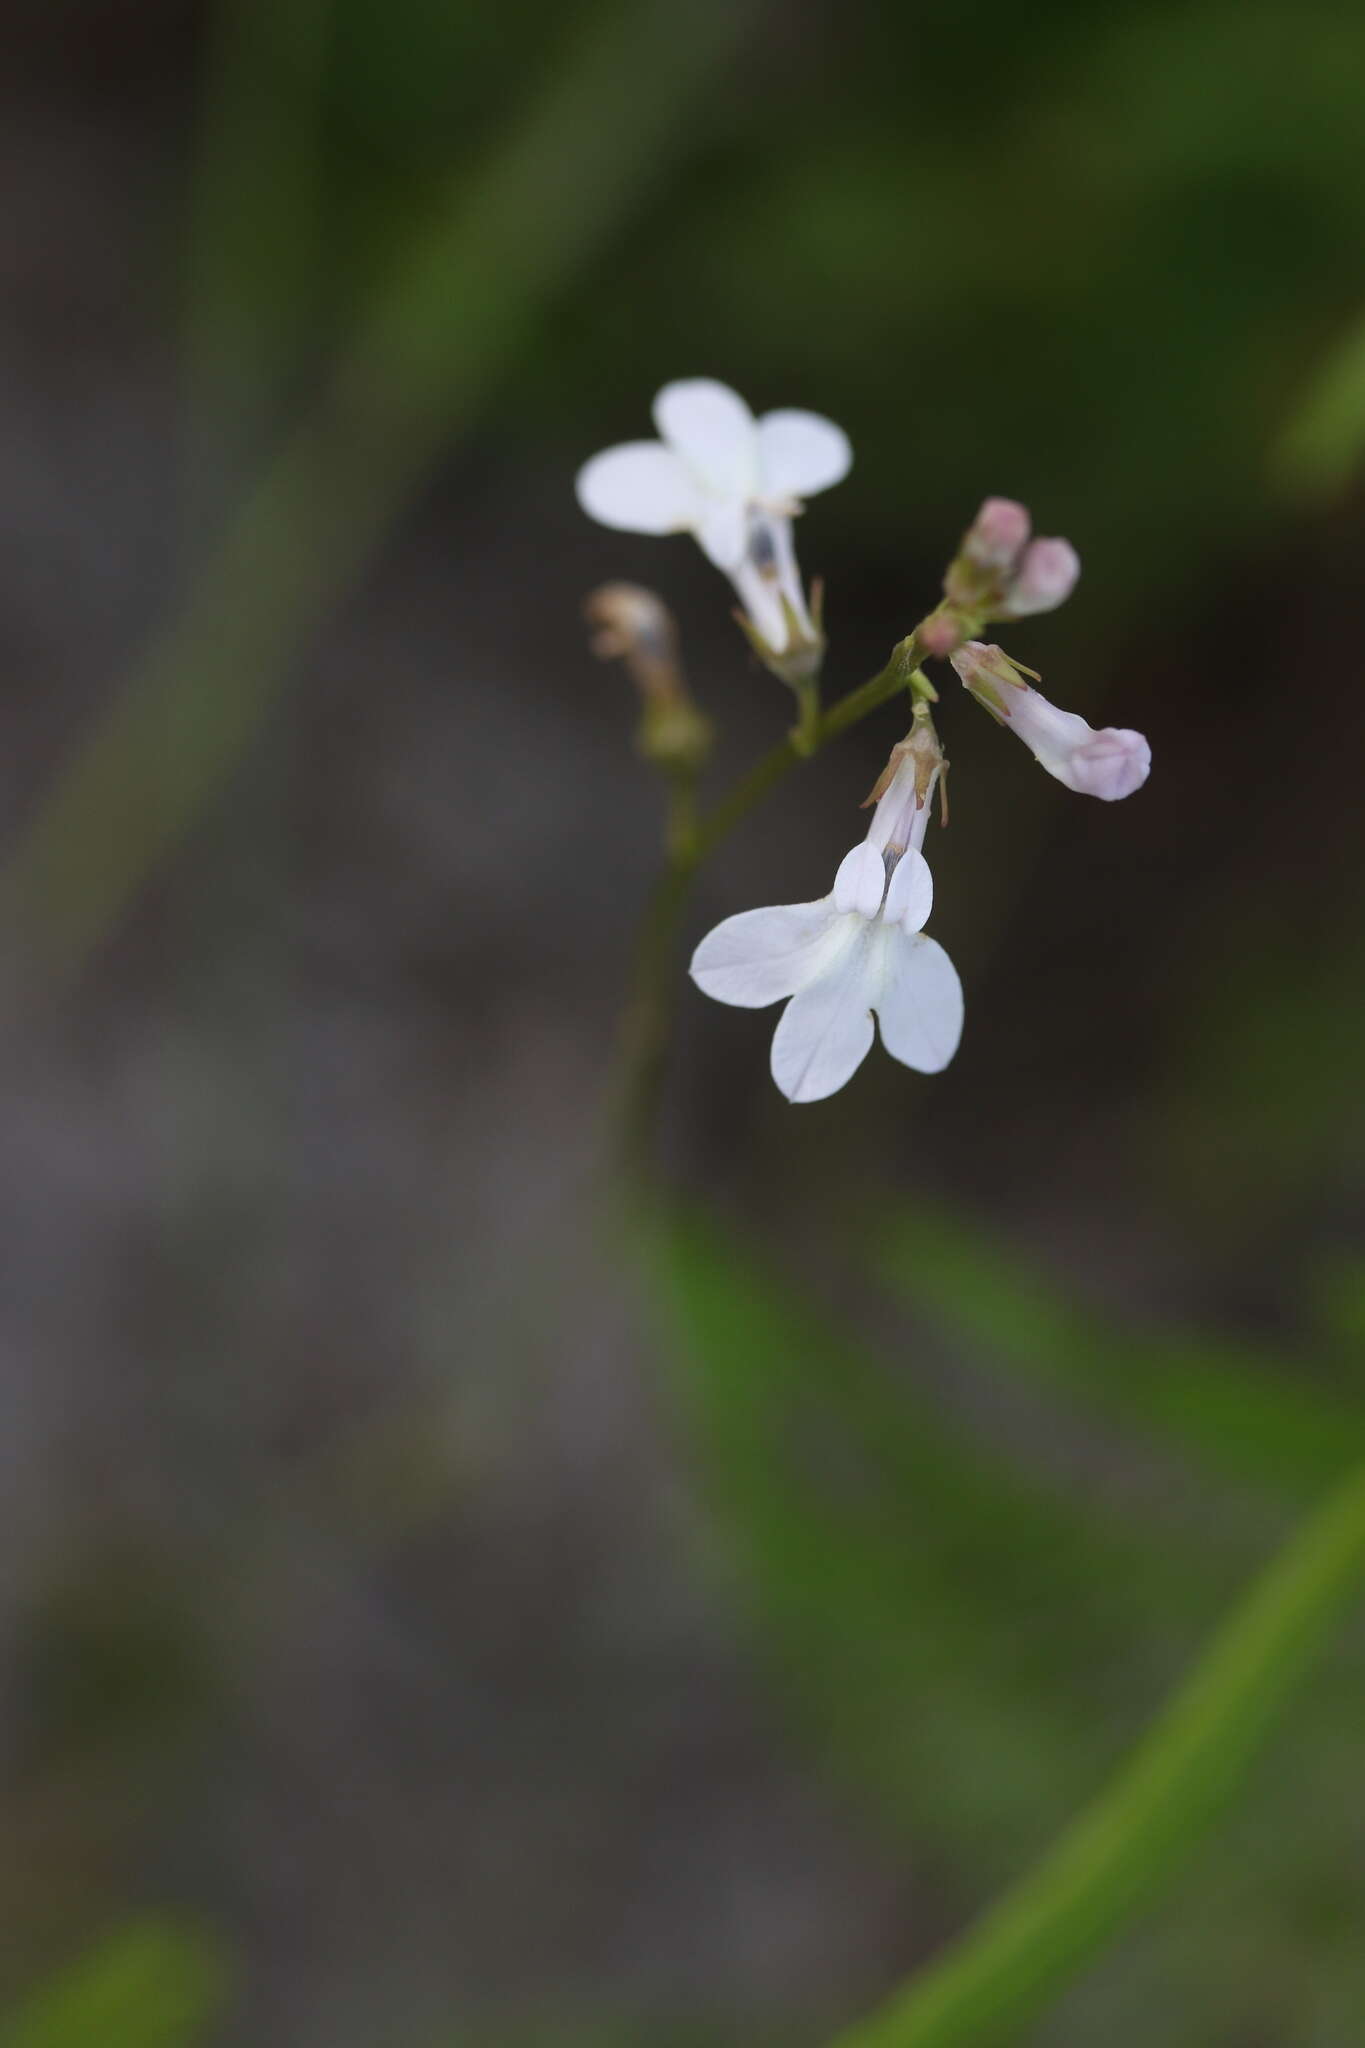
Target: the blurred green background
(424, 1622)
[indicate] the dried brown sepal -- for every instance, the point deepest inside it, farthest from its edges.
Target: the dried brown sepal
(921, 745)
(633, 625)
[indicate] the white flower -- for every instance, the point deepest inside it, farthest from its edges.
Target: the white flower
(1108, 764)
(857, 951)
(733, 481)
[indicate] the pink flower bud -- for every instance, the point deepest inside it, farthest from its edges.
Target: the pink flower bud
(1046, 578)
(997, 535)
(940, 633)
(1110, 764)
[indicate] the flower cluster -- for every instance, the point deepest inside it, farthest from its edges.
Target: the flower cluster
(856, 960)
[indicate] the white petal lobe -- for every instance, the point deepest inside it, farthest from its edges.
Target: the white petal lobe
(723, 532)
(759, 956)
(800, 453)
(826, 1030)
(910, 897)
(919, 1006)
(712, 429)
(860, 881)
(639, 487)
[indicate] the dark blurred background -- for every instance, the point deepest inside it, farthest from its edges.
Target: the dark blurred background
(423, 1622)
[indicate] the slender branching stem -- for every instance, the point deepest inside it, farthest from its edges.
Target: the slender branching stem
(805, 734)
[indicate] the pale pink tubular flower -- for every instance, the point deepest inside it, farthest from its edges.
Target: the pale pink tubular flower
(1108, 764)
(857, 952)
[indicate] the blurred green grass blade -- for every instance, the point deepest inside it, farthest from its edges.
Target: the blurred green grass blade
(1323, 444)
(966, 1641)
(1129, 1842)
(619, 108)
(1232, 1406)
(644, 2031)
(154, 1984)
(255, 203)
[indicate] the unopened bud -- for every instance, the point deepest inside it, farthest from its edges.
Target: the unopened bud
(1108, 764)
(1046, 578)
(999, 573)
(998, 534)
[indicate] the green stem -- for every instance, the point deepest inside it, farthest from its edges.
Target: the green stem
(254, 229)
(680, 828)
(805, 734)
(770, 768)
(644, 1029)
(1114, 1857)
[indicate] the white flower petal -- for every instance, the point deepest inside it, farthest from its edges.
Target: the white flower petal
(712, 429)
(800, 453)
(910, 897)
(639, 487)
(826, 1030)
(1051, 734)
(919, 1006)
(900, 819)
(777, 533)
(860, 881)
(762, 600)
(760, 956)
(723, 531)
